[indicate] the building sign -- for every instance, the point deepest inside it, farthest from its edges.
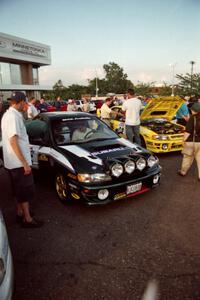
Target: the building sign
(32, 50)
(20, 49)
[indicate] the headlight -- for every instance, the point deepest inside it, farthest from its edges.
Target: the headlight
(117, 170)
(98, 177)
(152, 160)
(160, 137)
(141, 163)
(129, 166)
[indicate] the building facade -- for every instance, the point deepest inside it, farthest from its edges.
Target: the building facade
(20, 60)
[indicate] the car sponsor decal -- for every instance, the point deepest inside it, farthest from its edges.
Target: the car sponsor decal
(108, 150)
(119, 196)
(75, 196)
(127, 143)
(57, 156)
(80, 152)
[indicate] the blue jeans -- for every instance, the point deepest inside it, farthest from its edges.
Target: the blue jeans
(133, 132)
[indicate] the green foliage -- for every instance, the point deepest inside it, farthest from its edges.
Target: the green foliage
(189, 84)
(115, 79)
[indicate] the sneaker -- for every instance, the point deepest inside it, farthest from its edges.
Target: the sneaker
(180, 173)
(35, 223)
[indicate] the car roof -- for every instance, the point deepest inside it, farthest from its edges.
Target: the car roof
(60, 114)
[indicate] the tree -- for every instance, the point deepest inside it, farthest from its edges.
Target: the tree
(189, 84)
(115, 79)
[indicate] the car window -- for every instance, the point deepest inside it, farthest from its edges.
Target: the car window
(37, 131)
(75, 130)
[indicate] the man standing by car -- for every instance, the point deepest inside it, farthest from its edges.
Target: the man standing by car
(106, 111)
(132, 107)
(32, 111)
(17, 159)
(182, 114)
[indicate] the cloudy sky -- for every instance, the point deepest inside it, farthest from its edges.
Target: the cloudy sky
(142, 36)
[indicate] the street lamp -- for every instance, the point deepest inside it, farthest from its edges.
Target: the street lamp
(173, 67)
(192, 69)
(96, 85)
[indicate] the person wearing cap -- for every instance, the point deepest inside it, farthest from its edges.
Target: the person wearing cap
(191, 140)
(71, 106)
(17, 159)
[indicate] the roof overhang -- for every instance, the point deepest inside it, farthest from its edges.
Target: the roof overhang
(24, 87)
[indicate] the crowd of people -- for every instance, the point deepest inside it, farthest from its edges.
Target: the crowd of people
(16, 151)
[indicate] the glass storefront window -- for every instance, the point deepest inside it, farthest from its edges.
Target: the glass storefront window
(35, 76)
(5, 77)
(15, 74)
(10, 73)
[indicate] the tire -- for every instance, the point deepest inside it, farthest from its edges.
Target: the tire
(62, 189)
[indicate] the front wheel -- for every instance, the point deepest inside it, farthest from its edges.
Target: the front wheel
(62, 188)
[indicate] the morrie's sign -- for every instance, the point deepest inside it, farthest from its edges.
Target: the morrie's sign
(15, 48)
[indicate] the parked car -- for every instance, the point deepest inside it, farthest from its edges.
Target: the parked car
(6, 264)
(98, 168)
(159, 132)
(79, 105)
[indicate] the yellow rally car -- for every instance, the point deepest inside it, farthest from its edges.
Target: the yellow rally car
(159, 133)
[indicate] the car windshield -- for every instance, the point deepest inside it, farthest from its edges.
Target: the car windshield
(80, 130)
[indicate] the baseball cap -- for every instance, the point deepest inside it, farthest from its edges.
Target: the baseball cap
(196, 107)
(18, 96)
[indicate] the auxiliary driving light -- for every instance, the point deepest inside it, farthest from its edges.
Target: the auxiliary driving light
(129, 166)
(103, 194)
(164, 146)
(141, 163)
(156, 179)
(117, 170)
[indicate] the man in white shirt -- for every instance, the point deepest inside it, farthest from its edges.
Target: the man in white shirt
(32, 110)
(17, 159)
(106, 110)
(132, 107)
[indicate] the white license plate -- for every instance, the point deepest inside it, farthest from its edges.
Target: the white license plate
(132, 188)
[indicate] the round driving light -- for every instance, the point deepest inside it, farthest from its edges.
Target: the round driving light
(129, 166)
(141, 163)
(156, 179)
(151, 161)
(103, 194)
(117, 170)
(164, 146)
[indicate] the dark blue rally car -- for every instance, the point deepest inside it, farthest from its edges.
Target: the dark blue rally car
(89, 160)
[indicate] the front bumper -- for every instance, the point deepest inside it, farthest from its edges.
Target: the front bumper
(118, 191)
(164, 146)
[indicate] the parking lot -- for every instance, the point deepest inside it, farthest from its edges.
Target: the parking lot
(110, 252)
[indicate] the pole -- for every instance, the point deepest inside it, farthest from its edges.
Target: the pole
(173, 73)
(191, 84)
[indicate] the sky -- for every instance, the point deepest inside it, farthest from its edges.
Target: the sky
(147, 38)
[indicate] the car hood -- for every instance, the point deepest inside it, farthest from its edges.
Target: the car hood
(99, 155)
(162, 107)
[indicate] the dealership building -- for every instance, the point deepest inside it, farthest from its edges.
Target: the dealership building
(20, 60)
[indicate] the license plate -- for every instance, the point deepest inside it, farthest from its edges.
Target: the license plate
(132, 188)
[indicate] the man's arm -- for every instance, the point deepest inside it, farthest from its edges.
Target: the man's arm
(15, 146)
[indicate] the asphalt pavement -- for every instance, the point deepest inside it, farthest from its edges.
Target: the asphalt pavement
(109, 252)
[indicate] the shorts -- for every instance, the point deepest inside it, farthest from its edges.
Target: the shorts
(22, 185)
